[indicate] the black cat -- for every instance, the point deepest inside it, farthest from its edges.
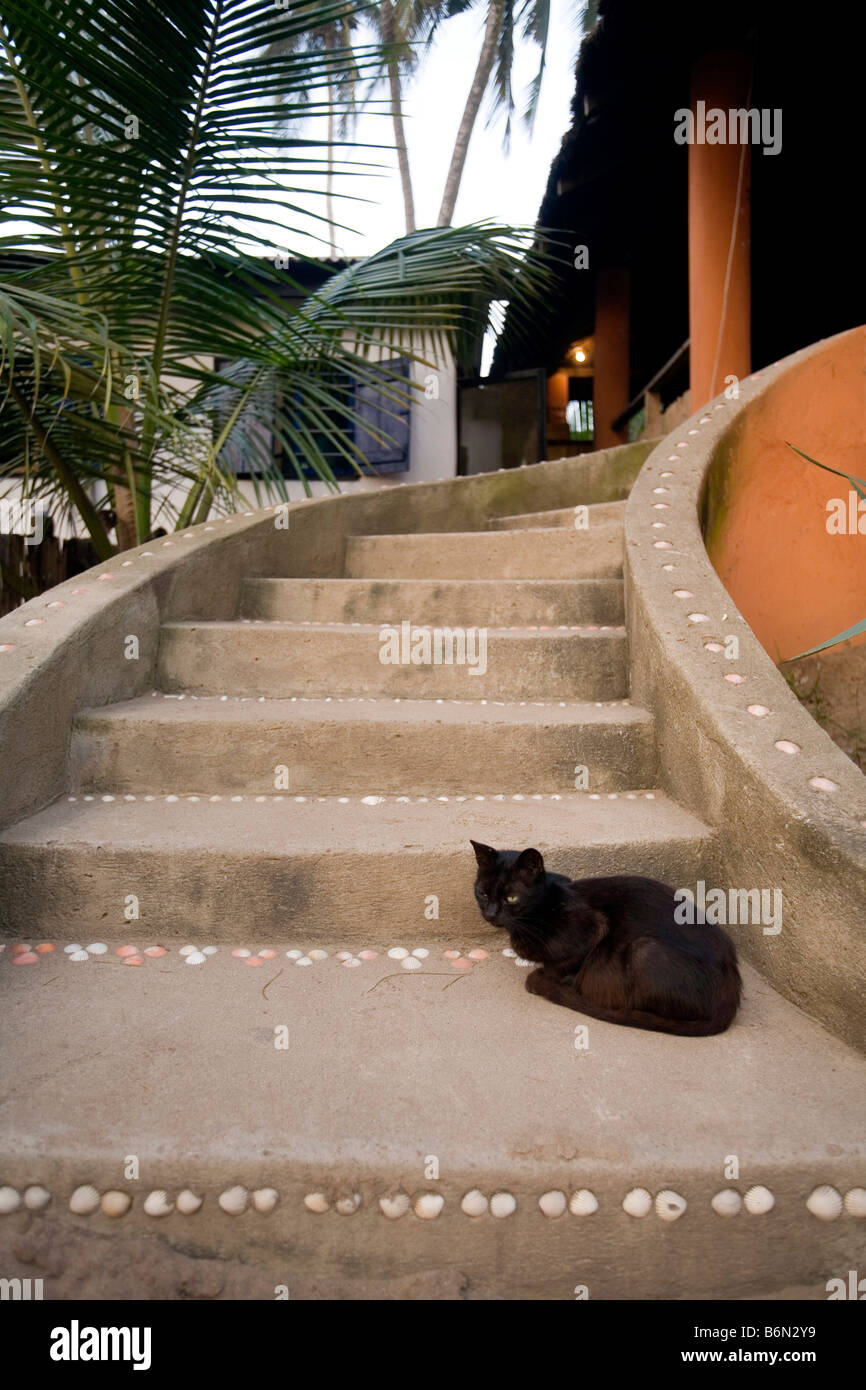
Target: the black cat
(610, 947)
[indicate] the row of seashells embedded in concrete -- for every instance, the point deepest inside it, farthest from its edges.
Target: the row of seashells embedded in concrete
(824, 1202)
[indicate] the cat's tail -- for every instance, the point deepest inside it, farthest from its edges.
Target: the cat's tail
(640, 1018)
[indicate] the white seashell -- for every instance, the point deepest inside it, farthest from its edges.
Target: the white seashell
(35, 1198)
(317, 1202)
(825, 1203)
(410, 963)
(502, 1204)
(304, 960)
(317, 955)
(429, 1204)
(209, 950)
(855, 1201)
(518, 960)
(265, 1199)
(474, 1203)
(10, 1200)
(510, 952)
(394, 1207)
(187, 950)
(727, 1203)
(294, 955)
(74, 947)
(759, 1200)
(84, 1200)
(552, 1203)
(188, 1202)
(116, 1203)
(97, 948)
(637, 1202)
(398, 953)
(670, 1205)
(583, 1203)
(157, 1203)
(421, 952)
(79, 955)
(196, 958)
(234, 1200)
(347, 1206)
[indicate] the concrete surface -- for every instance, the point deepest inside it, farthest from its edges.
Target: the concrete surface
(384, 1071)
(271, 864)
(167, 744)
(467, 602)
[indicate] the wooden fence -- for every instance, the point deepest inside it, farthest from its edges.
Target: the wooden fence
(28, 570)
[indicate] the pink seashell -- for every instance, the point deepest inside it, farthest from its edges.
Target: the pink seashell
(154, 951)
(367, 955)
(453, 955)
(462, 964)
(478, 954)
(25, 958)
(241, 952)
(19, 948)
(44, 948)
(267, 955)
(133, 960)
(126, 951)
(254, 960)
(344, 955)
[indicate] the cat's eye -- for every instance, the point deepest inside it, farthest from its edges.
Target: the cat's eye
(512, 897)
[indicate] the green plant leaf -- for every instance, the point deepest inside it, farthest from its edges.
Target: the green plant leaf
(854, 631)
(858, 484)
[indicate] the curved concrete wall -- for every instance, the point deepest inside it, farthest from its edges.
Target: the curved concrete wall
(735, 744)
(795, 582)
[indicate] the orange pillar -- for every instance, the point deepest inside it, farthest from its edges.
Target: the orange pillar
(720, 319)
(611, 353)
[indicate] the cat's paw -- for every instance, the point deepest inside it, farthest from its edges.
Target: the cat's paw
(537, 982)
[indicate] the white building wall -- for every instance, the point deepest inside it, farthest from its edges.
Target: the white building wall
(432, 446)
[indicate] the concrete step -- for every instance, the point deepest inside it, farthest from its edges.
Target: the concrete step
(388, 1076)
(318, 868)
(554, 553)
(461, 602)
(587, 518)
(278, 659)
(168, 743)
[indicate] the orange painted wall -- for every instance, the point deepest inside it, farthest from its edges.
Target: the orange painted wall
(795, 584)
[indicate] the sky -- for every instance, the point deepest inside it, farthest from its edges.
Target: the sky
(507, 188)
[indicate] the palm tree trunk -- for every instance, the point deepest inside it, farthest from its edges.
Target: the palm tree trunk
(397, 117)
(473, 102)
(329, 185)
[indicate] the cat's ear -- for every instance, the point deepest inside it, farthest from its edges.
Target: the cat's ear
(484, 854)
(529, 865)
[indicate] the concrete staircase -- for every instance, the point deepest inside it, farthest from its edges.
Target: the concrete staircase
(379, 1109)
